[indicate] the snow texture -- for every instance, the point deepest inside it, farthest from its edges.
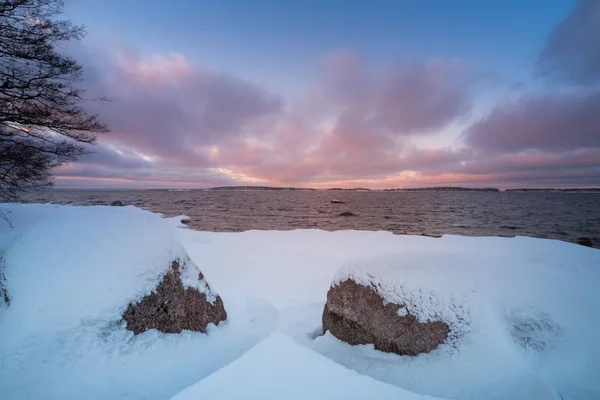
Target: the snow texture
(523, 312)
(70, 272)
(280, 368)
(189, 278)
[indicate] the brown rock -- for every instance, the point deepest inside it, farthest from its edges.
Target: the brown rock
(171, 307)
(357, 314)
(347, 214)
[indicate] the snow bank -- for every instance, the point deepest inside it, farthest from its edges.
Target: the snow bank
(74, 265)
(70, 272)
(279, 368)
(526, 311)
(533, 299)
(523, 309)
(512, 312)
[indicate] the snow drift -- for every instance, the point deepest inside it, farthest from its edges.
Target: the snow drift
(77, 265)
(69, 274)
(522, 312)
(516, 311)
(292, 372)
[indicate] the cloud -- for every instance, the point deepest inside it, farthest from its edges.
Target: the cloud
(425, 97)
(405, 98)
(572, 51)
(349, 125)
(166, 107)
(366, 132)
(549, 122)
(128, 169)
(181, 125)
(108, 155)
(542, 138)
(344, 78)
(552, 164)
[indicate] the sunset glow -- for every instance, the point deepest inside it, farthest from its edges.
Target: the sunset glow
(484, 94)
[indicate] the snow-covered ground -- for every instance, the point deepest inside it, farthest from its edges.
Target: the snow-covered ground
(523, 312)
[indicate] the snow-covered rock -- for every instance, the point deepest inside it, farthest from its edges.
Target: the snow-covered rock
(181, 301)
(506, 306)
(522, 312)
(497, 295)
(68, 266)
(358, 314)
(71, 273)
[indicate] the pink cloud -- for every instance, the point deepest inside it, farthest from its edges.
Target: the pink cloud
(425, 97)
(561, 121)
(166, 107)
(171, 68)
(178, 124)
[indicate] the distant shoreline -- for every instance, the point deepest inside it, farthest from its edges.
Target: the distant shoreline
(421, 189)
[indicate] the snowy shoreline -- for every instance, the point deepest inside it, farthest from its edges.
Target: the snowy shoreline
(528, 309)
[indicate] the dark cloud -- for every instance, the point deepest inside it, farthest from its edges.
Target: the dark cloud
(533, 161)
(572, 51)
(556, 122)
(572, 177)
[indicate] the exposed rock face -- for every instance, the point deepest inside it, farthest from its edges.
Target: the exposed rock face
(347, 214)
(357, 314)
(117, 203)
(171, 307)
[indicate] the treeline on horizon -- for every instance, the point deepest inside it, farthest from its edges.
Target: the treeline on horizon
(590, 189)
(419, 189)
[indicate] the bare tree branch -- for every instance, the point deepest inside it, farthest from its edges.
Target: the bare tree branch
(42, 121)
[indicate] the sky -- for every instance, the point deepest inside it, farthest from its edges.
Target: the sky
(377, 94)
